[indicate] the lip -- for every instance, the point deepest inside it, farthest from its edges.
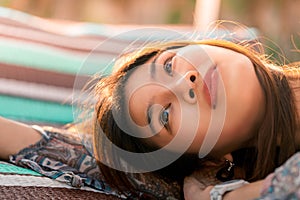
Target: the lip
(210, 86)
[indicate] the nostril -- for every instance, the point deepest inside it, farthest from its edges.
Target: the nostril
(193, 78)
(191, 93)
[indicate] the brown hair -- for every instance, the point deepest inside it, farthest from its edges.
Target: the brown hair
(274, 137)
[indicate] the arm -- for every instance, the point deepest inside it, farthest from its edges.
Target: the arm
(250, 191)
(15, 136)
(192, 191)
(282, 184)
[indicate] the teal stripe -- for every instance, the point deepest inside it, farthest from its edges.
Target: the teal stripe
(43, 57)
(11, 169)
(35, 111)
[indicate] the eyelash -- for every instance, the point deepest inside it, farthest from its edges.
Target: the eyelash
(168, 66)
(164, 122)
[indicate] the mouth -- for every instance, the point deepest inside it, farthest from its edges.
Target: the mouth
(210, 86)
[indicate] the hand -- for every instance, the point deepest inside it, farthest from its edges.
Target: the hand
(192, 190)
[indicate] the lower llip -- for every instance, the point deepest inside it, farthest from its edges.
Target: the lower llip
(210, 86)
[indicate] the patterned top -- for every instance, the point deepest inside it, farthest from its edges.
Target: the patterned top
(284, 183)
(63, 157)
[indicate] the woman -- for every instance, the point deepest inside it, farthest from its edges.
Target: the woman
(221, 101)
(255, 101)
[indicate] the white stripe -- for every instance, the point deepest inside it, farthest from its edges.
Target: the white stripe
(25, 181)
(36, 91)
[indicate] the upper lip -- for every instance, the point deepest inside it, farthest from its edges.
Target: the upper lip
(207, 85)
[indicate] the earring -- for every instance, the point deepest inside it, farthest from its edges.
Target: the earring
(227, 172)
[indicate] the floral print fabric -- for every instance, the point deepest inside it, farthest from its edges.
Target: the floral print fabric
(284, 183)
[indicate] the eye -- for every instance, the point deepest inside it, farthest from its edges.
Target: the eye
(164, 117)
(168, 67)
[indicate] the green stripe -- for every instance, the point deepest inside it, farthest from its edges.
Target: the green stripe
(11, 169)
(35, 111)
(42, 57)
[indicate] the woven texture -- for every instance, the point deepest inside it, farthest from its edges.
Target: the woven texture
(20, 183)
(31, 192)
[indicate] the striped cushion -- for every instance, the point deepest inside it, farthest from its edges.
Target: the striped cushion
(40, 59)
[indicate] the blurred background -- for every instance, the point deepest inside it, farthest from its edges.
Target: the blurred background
(277, 20)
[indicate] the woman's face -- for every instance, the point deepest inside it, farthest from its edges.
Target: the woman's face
(199, 98)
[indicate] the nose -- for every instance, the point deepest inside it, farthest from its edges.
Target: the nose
(186, 85)
(191, 77)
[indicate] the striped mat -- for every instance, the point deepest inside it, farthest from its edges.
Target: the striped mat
(20, 183)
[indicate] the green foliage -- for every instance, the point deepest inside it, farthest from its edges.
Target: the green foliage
(239, 6)
(174, 17)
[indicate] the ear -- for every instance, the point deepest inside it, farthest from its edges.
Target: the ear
(229, 157)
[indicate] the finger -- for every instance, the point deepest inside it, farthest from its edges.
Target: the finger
(191, 188)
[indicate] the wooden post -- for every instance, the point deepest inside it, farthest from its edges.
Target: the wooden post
(206, 12)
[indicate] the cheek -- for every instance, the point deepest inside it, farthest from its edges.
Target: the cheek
(244, 107)
(204, 123)
(136, 105)
(138, 101)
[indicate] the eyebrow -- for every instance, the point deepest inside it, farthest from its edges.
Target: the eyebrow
(150, 116)
(153, 64)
